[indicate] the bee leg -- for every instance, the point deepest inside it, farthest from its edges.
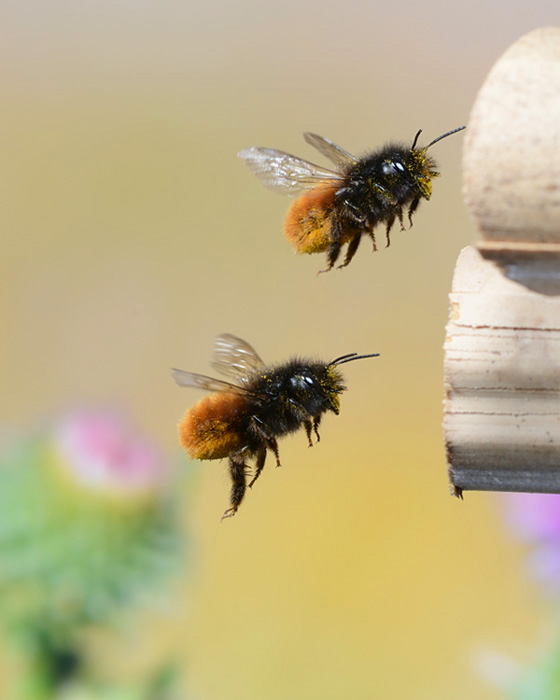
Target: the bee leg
(261, 431)
(413, 206)
(308, 428)
(316, 422)
(352, 248)
(261, 459)
(238, 476)
(273, 445)
(355, 213)
(390, 222)
(332, 255)
(400, 215)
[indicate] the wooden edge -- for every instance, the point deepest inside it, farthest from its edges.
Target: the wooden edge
(504, 251)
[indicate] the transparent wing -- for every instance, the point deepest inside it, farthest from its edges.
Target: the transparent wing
(341, 158)
(235, 357)
(200, 381)
(284, 173)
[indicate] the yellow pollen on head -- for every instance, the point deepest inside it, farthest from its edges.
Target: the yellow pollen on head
(332, 384)
(422, 169)
(425, 186)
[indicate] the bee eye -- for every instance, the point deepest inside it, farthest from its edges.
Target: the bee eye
(393, 167)
(303, 381)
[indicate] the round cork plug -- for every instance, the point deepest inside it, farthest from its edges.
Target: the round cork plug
(511, 159)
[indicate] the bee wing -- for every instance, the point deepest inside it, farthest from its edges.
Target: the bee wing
(200, 381)
(284, 173)
(235, 357)
(341, 158)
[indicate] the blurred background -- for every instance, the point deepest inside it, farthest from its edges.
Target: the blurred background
(132, 236)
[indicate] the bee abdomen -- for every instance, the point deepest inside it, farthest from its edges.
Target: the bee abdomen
(210, 429)
(308, 224)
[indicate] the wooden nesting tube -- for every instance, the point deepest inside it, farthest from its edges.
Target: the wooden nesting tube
(502, 347)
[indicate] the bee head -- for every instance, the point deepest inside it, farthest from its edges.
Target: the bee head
(316, 387)
(421, 167)
(409, 170)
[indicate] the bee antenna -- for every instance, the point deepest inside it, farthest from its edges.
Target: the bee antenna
(439, 138)
(350, 358)
(416, 139)
(342, 357)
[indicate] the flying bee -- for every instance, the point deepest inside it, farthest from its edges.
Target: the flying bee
(242, 420)
(339, 206)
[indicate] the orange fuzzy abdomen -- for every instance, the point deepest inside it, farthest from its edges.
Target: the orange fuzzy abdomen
(308, 222)
(210, 429)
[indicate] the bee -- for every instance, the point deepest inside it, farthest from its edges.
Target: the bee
(243, 419)
(337, 207)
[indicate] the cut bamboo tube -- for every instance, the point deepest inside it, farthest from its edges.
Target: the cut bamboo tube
(502, 348)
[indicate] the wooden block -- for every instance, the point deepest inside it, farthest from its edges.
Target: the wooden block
(502, 379)
(502, 348)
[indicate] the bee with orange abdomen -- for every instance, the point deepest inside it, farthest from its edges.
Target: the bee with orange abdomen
(339, 206)
(241, 421)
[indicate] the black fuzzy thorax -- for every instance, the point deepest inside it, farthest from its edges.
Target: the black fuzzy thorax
(377, 187)
(282, 397)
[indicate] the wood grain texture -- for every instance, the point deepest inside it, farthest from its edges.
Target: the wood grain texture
(502, 380)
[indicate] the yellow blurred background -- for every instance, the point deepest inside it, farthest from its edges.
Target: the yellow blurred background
(132, 235)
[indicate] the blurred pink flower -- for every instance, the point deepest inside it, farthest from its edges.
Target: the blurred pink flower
(88, 525)
(101, 451)
(535, 519)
